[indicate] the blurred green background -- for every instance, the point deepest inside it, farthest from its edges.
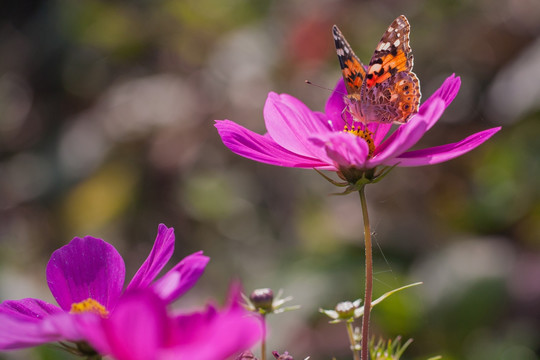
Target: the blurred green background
(106, 129)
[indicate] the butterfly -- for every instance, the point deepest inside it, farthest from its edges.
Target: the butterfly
(387, 91)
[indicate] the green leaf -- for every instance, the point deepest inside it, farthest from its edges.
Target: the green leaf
(360, 311)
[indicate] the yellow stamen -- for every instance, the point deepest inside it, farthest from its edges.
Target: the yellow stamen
(89, 305)
(364, 134)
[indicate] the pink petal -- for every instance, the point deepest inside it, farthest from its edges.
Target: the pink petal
(17, 334)
(229, 331)
(344, 149)
(86, 268)
(310, 125)
(182, 277)
(29, 309)
(323, 119)
(290, 123)
(447, 92)
(67, 325)
(261, 148)
(159, 256)
(408, 135)
(443, 153)
(137, 330)
(20, 332)
(21, 323)
(335, 106)
(379, 131)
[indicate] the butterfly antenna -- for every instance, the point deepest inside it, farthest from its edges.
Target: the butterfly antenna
(324, 87)
(319, 86)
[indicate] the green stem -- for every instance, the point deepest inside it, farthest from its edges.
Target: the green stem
(263, 341)
(369, 276)
(350, 331)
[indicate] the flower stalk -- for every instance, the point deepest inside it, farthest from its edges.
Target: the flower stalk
(263, 340)
(263, 302)
(369, 276)
(354, 347)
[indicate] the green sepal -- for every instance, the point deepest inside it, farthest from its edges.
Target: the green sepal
(332, 181)
(386, 170)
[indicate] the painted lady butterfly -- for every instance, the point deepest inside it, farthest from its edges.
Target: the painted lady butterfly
(387, 91)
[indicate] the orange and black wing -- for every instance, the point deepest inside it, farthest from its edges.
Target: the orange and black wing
(393, 53)
(352, 68)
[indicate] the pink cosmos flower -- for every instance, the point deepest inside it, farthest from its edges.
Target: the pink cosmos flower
(299, 137)
(86, 277)
(153, 334)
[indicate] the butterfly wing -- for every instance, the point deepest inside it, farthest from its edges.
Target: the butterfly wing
(394, 100)
(352, 68)
(391, 91)
(393, 53)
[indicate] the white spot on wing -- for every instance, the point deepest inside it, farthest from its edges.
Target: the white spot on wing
(375, 67)
(383, 46)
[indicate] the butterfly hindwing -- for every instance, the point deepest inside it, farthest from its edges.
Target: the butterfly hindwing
(394, 100)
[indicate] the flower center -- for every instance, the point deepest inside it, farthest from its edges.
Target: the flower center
(89, 305)
(364, 134)
(345, 310)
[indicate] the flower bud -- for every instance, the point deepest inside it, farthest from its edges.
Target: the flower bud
(263, 302)
(246, 355)
(345, 309)
(262, 299)
(284, 356)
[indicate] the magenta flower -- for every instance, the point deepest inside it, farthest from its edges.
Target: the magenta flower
(86, 277)
(153, 334)
(299, 137)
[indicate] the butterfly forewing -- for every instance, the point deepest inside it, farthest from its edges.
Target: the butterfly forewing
(352, 69)
(393, 53)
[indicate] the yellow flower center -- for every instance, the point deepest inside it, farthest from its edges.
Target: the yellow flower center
(89, 305)
(364, 134)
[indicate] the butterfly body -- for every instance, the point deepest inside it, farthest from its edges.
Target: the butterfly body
(387, 90)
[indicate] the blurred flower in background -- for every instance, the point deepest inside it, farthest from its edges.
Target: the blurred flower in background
(106, 128)
(154, 334)
(86, 277)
